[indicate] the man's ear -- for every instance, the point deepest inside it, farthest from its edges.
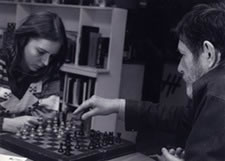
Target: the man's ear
(211, 55)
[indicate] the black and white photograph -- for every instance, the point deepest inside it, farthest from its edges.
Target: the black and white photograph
(112, 80)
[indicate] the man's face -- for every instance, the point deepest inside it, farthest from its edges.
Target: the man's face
(191, 68)
(38, 53)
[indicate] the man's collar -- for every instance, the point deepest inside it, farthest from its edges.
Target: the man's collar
(206, 78)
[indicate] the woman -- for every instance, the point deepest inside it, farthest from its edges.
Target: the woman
(29, 71)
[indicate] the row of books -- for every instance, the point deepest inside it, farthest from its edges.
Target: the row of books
(78, 89)
(93, 47)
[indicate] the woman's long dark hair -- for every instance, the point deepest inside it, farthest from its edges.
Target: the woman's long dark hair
(43, 25)
(46, 25)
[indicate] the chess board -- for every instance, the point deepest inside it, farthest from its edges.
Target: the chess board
(51, 147)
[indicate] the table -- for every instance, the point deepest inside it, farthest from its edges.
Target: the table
(130, 157)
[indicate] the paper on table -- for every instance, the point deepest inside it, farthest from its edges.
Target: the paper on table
(4, 157)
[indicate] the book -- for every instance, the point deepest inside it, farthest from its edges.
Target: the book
(84, 44)
(70, 90)
(71, 42)
(93, 44)
(71, 50)
(102, 52)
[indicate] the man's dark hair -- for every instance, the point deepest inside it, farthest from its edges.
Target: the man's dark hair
(203, 22)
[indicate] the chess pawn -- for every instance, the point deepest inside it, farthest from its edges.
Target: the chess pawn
(19, 133)
(111, 138)
(55, 125)
(68, 126)
(62, 125)
(60, 133)
(73, 127)
(24, 133)
(40, 130)
(91, 146)
(55, 128)
(55, 121)
(32, 133)
(40, 120)
(77, 146)
(40, 133)
(118, 138)
(60, 150)
(49, 126)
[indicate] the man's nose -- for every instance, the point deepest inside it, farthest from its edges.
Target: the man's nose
(45, 59)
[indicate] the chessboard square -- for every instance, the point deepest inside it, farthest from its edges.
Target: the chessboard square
(38, 143)
(52, 144)
(39, 139)
(53, 139)
(52, 148)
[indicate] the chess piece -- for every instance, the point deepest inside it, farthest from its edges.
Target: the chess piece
(55, 125)
(49, 126)
(55, 121)
(67, 151)
(60, 150)
(62, 125)
(40, 130)
(24, 133)
(118, 138)
(111, 138)
(68, 126)
(73, 126)
(91, 145)
(68, 144)
(19, 133)
(32, 133)
(77, 146)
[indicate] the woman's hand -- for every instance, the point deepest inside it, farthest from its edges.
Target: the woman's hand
(14, 124)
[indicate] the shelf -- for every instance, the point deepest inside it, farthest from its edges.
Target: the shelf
(8, 2)
(49, 5)
(83, 70)
(56, 5)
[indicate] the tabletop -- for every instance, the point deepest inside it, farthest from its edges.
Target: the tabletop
(130, 157)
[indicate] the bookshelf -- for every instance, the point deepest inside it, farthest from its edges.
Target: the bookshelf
(111, 23)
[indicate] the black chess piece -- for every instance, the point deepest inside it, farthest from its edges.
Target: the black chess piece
(77, 146)
(118, 138)
(67, 150)
(110, 138)
(60, 150)
(91, 145)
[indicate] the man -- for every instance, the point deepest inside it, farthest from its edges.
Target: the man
(201, 44)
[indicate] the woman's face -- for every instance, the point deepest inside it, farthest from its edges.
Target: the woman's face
(38, 53)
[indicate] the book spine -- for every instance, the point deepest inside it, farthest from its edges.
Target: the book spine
(102, 52)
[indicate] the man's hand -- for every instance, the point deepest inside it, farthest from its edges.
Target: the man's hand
(172, 155)
(98, 106)
(14, 124)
